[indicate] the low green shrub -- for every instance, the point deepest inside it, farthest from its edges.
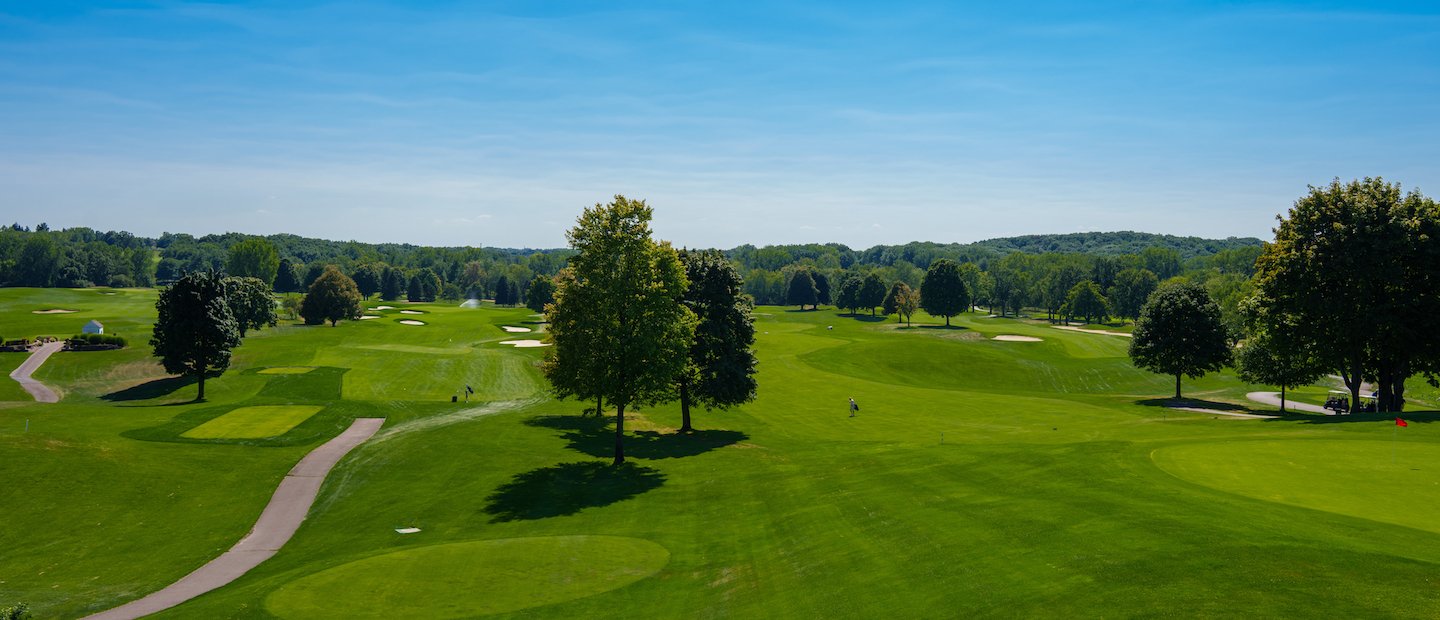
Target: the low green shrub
(96, 340)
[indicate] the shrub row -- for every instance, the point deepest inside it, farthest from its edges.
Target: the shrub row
(96, 339)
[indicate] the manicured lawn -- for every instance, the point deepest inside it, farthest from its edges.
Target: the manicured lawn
(258, 422)
(1060, 488)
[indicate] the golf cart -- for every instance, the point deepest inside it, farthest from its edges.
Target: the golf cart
(1339, 402)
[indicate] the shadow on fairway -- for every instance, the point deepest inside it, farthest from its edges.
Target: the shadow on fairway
(568, 488)
(1202, 404)
(1410, 417)
(951, 327)
(154, 388)
(865, 318)
(594, 436)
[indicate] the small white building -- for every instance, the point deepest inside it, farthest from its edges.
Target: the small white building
(93, 327)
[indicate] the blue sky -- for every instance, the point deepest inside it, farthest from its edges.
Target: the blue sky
(470, 123)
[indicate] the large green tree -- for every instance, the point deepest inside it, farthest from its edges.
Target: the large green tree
(539, 293)
(1086, 300)
(849, 294)
(1132, 287)
(907, 301)
(802, 291)
(872, 292)
(194, 330)
(1354, 275)
(721, 372)
(942, 292)
(1180, 333)
(332, 297)
(255, 257)
(368, 278)
(250, 303)
(1262, 360)
(633, 332)
(288, 276)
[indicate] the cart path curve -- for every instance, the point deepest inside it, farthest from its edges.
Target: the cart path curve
(1273, 398)
(282, 516)
(41, 392)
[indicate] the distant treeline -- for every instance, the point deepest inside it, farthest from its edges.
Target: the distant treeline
(1032, 271)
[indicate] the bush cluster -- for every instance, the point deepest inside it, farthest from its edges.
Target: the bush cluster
(97, 339)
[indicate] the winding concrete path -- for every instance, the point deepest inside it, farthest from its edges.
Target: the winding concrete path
(287, 509)
(40, 391)
(1273, 398)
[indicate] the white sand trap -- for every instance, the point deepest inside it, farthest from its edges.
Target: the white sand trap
(523, 344)
(411, 312)
(383, 308)
(407, 530)
(54, 311)
(1014, 338)
(107, 292)
(1072, 328)
(471, 303)
(369, 316)
(515, 330)
(411, 322)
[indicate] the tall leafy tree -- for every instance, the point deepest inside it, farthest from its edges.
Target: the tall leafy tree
(942, 292)
(288, 276)
(721, 371)
(39, 262)
(250, 303)
(822, 287)
(392, 284)
(332, 297)
(255, 257)
(849, 295)
(1086, 300)
(974, 280)
(892, 300)
(194, 330)
(636, 337)
(539, 293)
(1352, 276)
(802, 291)
(907, 301)
(872, 292)
(368, 278)
(1262, 360)
(1132, 287)
(503, 292)
(1180, 333)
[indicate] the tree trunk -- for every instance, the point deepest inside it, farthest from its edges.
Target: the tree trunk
(600, 405)
(1282, 399)
(620, 434)
(1177, 386)
(201, 395)
(685, 407)
(947, 320)
(1353, 378)
(1385, 379)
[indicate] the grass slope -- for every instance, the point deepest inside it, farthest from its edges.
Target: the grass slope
(1060, 487)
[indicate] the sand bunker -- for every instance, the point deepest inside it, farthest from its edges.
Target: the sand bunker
(515, 330)
(53, 311)
(106, 292)
(522, 344)
(369, 316)
(1072, 328)
(1014, 338)
(406, 530)
(383, 308)
(411, 322)
(411, 312)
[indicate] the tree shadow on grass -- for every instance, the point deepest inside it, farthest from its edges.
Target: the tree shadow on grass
(1200, 404)
(1410, 417)
(154, 388)
(950, 327)
(594, 436)
(865, 318)
(568, 488)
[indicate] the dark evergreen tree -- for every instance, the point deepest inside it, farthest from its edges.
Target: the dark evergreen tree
(287, 277)
(392, 284)
(540, 292)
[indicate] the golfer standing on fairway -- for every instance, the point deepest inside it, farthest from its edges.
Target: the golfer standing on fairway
(853, 407)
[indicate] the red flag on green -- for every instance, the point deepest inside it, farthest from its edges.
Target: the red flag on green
(1399, 422)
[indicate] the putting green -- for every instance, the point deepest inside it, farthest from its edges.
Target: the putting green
(1395, 483)
(461, 580)
(287, 370)
(254, 422)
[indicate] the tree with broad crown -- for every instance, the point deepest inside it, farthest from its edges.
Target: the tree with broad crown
(194, 330)
(721, 372)
(942, 292)
(974, 282)
(1085, 300)
(254, 258)
(287, 277)
(1264, 361)
(630, 330)
(872, 292)
(849, 295)
(1352, 276)
(539, 293)
(802, 290)
(892, 302)
(1179, 332)
(1132, 287)
(367, 279)
(250, 303)
(822, 287)
(332, 297)
(907, 301)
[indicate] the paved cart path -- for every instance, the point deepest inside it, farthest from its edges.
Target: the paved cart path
(1273, 398)
(40, 391)
(287, 509)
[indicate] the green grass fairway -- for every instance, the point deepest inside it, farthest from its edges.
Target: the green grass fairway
(1391, 481)
(463, 580)
(286, 370)
(258, 422)
(982, 478)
